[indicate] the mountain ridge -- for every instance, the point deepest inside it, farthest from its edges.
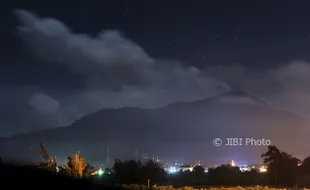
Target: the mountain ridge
(177, 127)
(128, 110)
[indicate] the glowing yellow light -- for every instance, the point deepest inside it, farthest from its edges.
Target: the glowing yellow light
(263, 169)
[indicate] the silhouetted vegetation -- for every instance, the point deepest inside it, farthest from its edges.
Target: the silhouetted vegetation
(30, 177)
(282, 167)
(48, 162)
(75, 166)
(135, 172)
(283, 170)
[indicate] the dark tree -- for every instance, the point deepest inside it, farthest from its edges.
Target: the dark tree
(282, 167)
(198, 171)
(224, 175)
(134, 172)
(128, 172)
(306, 166)
(151, 170)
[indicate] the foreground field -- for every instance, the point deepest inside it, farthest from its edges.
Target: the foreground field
(25, 177)
(154, 187)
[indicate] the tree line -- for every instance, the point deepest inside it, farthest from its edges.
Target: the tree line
(283, 170)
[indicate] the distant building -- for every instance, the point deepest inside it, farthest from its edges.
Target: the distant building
(186, 168)
(171, 169)
(206, 170)
(245, 168)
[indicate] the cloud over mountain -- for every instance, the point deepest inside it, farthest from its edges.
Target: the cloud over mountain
(44, 104)
(116, 71)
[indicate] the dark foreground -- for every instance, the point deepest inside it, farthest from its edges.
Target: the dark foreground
(25, 177)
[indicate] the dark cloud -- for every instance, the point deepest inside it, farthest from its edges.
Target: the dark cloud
(118, 72)
(294, 77)
(109, 57)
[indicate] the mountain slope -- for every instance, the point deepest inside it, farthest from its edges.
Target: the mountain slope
(182, 130)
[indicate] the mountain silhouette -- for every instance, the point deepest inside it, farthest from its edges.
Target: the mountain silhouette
(183, 131)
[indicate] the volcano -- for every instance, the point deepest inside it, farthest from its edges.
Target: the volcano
(179, 131)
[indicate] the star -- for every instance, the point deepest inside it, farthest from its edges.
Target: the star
(170, 43)
(126, 10)
(205, 57)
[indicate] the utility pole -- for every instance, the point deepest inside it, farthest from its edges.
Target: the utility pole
(107, 157)
(148, 183)
(137, 154)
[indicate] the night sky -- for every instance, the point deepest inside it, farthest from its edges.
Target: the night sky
(64, 59)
